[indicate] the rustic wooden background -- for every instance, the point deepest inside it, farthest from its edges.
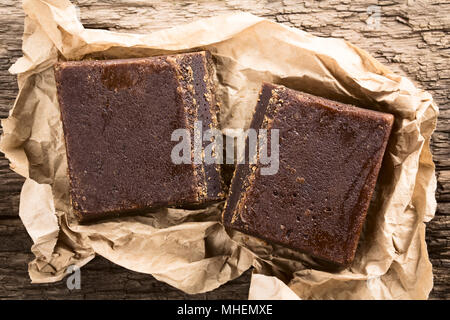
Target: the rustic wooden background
(411, 37)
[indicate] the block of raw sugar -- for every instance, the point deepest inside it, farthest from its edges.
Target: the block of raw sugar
(118, 117)
(329, 158)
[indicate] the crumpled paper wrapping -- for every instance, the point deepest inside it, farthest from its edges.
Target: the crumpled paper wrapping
(190, 249)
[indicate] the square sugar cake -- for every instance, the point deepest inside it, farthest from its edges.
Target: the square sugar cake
(118, 117)
(329, 158)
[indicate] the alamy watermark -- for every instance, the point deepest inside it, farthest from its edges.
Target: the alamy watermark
(74, 280)
(374, 20)
(190, 149)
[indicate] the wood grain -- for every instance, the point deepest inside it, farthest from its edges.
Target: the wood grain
(412, 38)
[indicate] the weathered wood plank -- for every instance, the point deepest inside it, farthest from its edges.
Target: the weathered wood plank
(412, 37)
(100, 279)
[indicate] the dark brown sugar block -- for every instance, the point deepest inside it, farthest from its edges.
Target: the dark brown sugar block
(118, 117)
(329, 158)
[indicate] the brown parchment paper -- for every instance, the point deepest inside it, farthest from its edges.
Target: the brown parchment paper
(189, 249)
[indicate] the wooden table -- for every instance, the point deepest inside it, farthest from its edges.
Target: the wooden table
(411, 37)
